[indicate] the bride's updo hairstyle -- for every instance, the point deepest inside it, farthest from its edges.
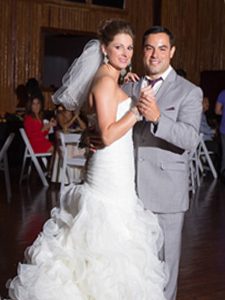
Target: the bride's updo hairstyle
(109, 28)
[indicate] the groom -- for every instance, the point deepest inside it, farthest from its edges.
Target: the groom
(172, 111)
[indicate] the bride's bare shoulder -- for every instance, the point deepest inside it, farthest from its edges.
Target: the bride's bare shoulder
(103, 88)
(103, 81)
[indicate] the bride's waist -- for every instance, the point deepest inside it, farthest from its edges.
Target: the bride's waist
(112, 179)
(113, 153)
(100, 165)
(123, 160)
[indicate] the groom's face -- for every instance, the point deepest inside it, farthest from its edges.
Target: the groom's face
(157, 54)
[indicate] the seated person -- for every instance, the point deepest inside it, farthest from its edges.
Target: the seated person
(210, 136)
(207, 131)
(37, 131)
(67, 120)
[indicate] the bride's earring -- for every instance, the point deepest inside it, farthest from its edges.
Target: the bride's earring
(106, 59)
(129, 67)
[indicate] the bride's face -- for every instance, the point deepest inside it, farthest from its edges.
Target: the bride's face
(120, 51)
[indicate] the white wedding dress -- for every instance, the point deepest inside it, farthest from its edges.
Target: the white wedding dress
(102, 244)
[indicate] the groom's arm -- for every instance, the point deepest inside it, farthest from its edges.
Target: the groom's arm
(182, 129)
(128, 88)
(132, 90)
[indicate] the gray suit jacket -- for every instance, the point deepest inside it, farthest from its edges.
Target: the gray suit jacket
(162, 172)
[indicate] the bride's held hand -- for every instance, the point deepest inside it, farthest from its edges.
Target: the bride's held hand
(147, 93)
(145, 99)
(149, 108)
(131, 77)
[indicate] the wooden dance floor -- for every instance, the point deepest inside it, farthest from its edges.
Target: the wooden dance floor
(202, 269)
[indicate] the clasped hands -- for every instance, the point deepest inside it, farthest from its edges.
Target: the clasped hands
(147, 105)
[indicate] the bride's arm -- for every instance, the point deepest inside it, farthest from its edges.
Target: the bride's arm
(105, 93)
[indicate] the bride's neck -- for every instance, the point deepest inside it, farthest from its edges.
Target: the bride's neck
(111, 70)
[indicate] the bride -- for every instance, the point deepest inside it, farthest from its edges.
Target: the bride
(100, 244)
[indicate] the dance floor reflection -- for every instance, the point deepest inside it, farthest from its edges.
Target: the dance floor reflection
(202, 270)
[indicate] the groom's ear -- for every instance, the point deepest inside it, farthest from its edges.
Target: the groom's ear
(172, 51)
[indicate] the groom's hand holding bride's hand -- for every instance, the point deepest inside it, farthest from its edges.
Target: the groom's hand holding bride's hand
(147, 105)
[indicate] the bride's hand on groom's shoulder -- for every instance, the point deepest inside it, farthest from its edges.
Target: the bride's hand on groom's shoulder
(131, 77)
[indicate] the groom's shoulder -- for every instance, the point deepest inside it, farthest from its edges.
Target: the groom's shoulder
(185, 83)
(131, 88)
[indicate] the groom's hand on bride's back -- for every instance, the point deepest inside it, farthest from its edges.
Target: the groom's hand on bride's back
(91, 139)
(95, 142)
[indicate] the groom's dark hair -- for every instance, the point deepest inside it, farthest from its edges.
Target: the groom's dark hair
(159, 29)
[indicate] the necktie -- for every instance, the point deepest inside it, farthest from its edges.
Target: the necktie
(153, 82)
(147, 82)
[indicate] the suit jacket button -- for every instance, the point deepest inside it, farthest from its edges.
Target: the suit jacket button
(162, 166)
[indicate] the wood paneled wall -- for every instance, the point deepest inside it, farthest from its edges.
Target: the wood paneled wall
(200, 34)
(21, 46)
(197, 24)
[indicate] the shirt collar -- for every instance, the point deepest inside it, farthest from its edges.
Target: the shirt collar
(164, 74)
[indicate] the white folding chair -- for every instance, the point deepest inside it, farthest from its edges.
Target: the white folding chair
(66, 139)
(204, 154)
(196, 167)
(33, 157)
(4, 166)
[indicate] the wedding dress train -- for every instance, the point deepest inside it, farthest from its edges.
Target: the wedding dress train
(101, 244)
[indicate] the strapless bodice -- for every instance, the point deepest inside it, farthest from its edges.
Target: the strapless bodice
(111, 169)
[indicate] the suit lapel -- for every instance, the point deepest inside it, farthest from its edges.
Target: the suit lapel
(165, 88)
(144, 127)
